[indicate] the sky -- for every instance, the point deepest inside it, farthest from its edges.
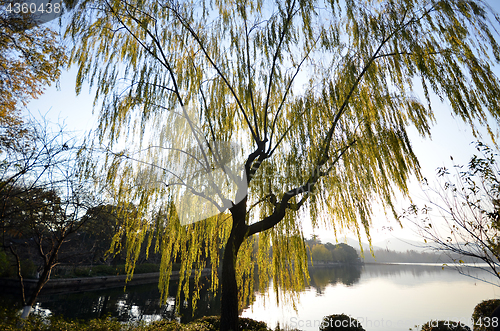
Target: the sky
(450, 137)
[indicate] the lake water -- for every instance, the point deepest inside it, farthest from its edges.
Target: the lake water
(381, 297)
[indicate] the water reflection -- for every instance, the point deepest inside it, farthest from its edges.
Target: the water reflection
(142, 302)
(381, 297)
(323, 276)
(133, 303)
(417, 270)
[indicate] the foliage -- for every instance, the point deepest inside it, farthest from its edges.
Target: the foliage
(4, 265)
(28, 268)
(343, 253)
(100, 270)
(101, 224)
(164, 325)
(10, 321)
(468, 210)
(444, 326)
(258, 115)
(213, 324)
(321, 253)
(31, 57)
(340, 322)
(482, 312)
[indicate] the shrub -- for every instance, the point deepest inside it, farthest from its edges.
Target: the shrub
(99, 270)
(28, 268)
(213, 322)
(163, 325)
(146, 268)
(340, 322)
(10, 321)
(482, 313)
(107, 270)
(5, 265)
(444, 326)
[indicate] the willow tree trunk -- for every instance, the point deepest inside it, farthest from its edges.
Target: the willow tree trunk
(229, 296)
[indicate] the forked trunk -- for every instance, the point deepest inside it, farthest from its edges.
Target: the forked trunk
(26, 312)
(42, 280)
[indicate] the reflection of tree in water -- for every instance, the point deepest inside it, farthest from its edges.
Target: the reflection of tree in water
(345, 274)
(139, 302)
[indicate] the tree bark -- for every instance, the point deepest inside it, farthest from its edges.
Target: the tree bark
(43, 278)
(28, 305)
(229, 295)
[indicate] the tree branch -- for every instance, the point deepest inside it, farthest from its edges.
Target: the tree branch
(286, 26)
(216, 67)
(308, 187)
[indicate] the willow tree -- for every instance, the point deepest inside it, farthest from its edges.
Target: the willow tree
(249, 117)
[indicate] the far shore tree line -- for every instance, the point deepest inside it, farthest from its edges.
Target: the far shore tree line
(87, 246)
(412, 256)
(342, 253)
(328, 252)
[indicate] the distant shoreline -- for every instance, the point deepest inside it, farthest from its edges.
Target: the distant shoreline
(82, 284)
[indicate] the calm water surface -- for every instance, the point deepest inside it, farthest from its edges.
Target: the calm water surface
(381, 297)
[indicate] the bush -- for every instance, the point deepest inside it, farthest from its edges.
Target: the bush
(146, 268)
(482, 312)
(28, 268)
(10, 320)
(165, 325)
(5, 265)
(340, 322)
(213, 322)
(99, 270)
(107, 270)
(444, 326)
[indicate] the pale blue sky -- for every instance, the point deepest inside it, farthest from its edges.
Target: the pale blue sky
(449, 137)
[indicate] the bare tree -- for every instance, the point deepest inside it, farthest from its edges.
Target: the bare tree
(44, 198)
(467, 224)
